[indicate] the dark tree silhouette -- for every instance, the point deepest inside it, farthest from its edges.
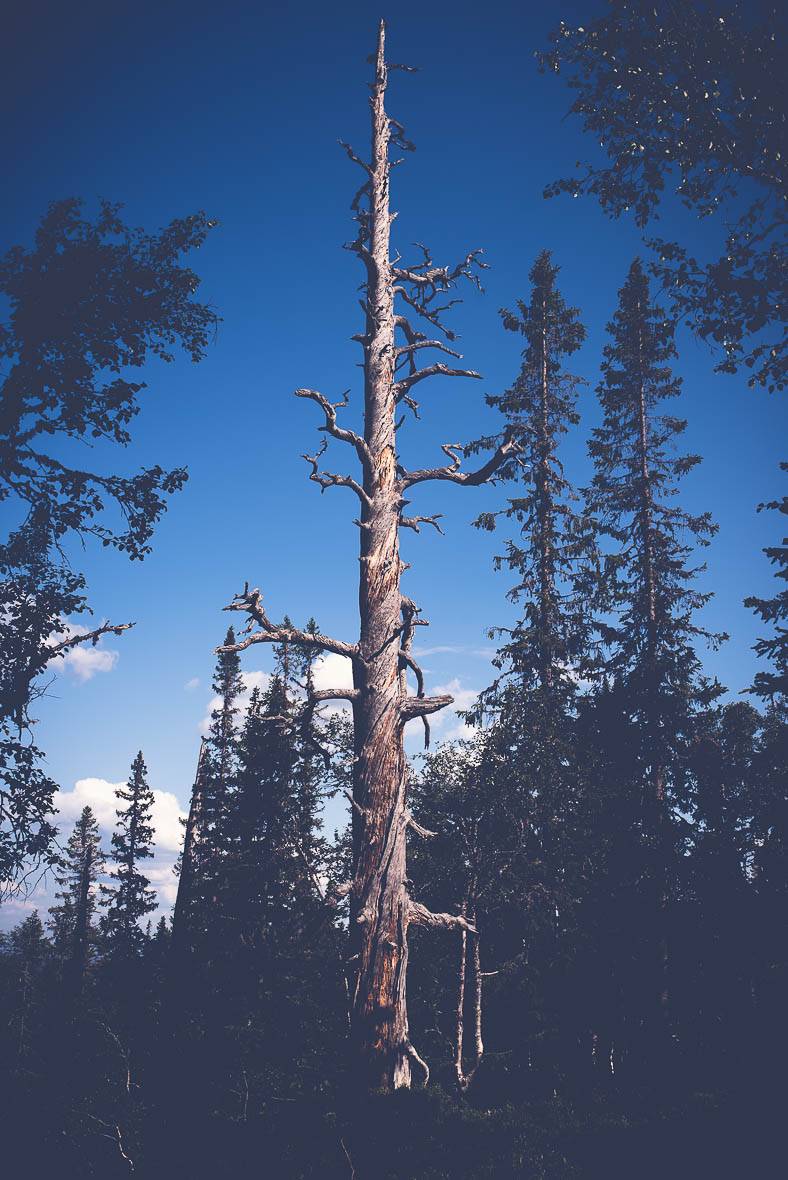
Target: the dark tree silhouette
(131, 899)
(89, 303)
(774, 611)
(688, 97)
(71, 921)
(647, 588)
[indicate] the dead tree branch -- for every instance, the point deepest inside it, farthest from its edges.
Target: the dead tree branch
(91, 637)
(328, 479)
(250, 602)
(452, 472)
(332, 426)
(419, 915)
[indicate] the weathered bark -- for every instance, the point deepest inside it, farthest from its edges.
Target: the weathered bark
(381, 909)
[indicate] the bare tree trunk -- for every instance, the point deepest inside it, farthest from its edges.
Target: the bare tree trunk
(459, 1038)
(380, 905)
(469, 997)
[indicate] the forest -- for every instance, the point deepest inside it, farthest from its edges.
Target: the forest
(552, 944)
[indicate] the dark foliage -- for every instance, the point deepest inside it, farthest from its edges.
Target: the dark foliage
(688, 97)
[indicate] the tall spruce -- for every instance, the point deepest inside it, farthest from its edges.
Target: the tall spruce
(544, 645)
(131, 898)
(219, 777)
(188, 865)
(774, 610)
(71, 921)
(647, 594)
(551, 555)
(648, 588)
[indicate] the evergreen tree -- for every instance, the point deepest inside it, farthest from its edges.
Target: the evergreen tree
(774, 611)
(218, 783)
(546, 642)
(131, 898)
(72, 921)
(188, 864)
(529, 752)
(647, 594)
(25, 956)
(712, 929)
(685, 99)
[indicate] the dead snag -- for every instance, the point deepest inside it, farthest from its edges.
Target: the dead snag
(397, 302)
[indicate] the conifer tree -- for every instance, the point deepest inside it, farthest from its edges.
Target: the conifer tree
(218, 780)
(72, 921)
(26, 953)
(546, 642)
(774, 611)
(188, 864)
(131, 898)
(647, 591)
(263, 819)
(552, 556)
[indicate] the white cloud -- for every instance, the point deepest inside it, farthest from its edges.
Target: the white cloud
(190, 685)
(333, 671)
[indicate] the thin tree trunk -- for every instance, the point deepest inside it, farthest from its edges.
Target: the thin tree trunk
(469, 1001)
(459, 1037)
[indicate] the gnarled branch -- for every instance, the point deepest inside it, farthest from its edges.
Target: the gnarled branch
(411, 707)
(419, 915)
(436, 370)
(333, 428)
(413, 522)
(328, 479)
(452, 472)
(418, 828)
(250, 602)
(356, 159)
(91, 637)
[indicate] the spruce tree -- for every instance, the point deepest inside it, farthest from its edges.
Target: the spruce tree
(72, 921)
(219, 782)
(24, 955)
(544, 645)
(774, 610)
(648, 598)
(533, 701)
(131, 898)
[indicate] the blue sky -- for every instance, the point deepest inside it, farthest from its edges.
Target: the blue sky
(237, 110)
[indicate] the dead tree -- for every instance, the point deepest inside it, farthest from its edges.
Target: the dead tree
(403, 308)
